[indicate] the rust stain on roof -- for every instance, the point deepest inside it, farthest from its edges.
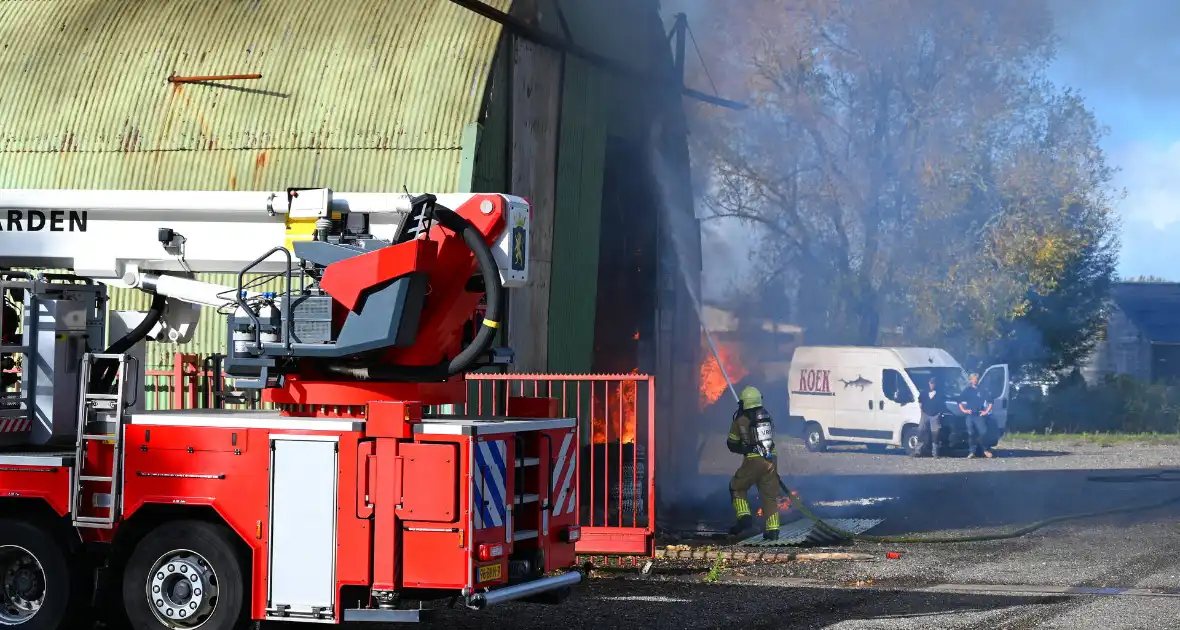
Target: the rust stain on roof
(387, 86)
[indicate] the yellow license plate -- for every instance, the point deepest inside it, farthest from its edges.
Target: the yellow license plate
(489, 573)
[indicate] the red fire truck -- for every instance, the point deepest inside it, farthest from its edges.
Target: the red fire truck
(346, 500)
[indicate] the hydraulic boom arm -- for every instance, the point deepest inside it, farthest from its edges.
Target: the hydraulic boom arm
(376, 287)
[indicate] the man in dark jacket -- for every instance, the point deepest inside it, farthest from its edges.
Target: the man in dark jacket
(933, 404)
(977, 407)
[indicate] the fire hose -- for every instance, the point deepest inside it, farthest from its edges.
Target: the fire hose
(903, 539)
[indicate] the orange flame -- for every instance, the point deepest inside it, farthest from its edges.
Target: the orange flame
(620, 400)
(784, 504)
(713, 383)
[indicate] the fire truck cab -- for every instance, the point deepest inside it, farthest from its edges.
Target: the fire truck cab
(347, 499)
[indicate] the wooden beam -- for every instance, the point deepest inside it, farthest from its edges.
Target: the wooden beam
(535, 93)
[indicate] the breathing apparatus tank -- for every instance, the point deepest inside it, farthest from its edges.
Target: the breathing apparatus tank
(269, 318)
(240, 331)
(761, 424)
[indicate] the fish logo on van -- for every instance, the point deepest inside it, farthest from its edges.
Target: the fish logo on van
(860, 383)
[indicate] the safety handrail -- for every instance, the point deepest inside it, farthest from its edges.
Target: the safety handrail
(241, 300)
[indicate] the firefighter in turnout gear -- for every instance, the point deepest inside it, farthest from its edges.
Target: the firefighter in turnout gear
(751, 435)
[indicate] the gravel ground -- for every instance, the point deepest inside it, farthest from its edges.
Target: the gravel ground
(1025, 483)
(1028, 482)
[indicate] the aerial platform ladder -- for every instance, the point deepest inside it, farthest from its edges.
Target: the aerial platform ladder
(101, 416)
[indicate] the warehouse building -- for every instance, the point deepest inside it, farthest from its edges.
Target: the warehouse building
(1142, 337)
(568, 103)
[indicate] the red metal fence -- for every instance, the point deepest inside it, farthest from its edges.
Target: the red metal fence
(616, 434)
(616, 437)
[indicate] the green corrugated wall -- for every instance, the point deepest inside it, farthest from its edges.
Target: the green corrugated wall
(595, 103)
(370, 95)
(574, 285)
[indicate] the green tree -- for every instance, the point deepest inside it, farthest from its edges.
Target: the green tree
(908, 165)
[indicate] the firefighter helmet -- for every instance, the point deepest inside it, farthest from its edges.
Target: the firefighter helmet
(751, 398)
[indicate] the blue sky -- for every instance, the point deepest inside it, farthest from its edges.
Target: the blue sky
(1124, 57)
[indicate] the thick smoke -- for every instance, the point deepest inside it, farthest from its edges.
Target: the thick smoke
(1123, 47)
(867, 264)
(725, 245)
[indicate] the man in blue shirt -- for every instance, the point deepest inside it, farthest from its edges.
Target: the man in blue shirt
(976, 407)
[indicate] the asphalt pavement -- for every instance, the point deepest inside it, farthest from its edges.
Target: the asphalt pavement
(1107, 572)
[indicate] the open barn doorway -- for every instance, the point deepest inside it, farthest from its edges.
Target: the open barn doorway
(624, 325)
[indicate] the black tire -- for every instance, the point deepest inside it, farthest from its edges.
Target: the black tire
(877, 449)
(32, 552)
(911, 441)
(183, 547)
(813, 436)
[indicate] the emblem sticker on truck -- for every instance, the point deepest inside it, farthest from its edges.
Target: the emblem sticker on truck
(814, 383)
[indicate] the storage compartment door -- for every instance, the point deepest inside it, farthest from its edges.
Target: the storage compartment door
(303, 495)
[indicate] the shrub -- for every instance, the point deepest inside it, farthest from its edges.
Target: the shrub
(1118, 404)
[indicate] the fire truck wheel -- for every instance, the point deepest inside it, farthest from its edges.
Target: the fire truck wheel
(185, 575)
(39, 590)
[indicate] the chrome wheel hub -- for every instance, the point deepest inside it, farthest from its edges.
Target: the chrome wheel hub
(22, 585)
(182, 589)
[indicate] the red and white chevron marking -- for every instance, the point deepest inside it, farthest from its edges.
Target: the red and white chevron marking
(565, 497)
(15, 425)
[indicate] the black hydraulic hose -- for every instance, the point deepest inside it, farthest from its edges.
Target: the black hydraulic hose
(103, 377)
(494, 289)
(137, 334)
(483, 340)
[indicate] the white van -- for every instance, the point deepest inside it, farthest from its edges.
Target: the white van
(867, 395)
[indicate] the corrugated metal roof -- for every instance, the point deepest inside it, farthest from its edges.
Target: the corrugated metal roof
(380, 90)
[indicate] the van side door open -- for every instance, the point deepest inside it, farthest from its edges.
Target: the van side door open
(895, 388)
(995, 387)
(897, 403)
